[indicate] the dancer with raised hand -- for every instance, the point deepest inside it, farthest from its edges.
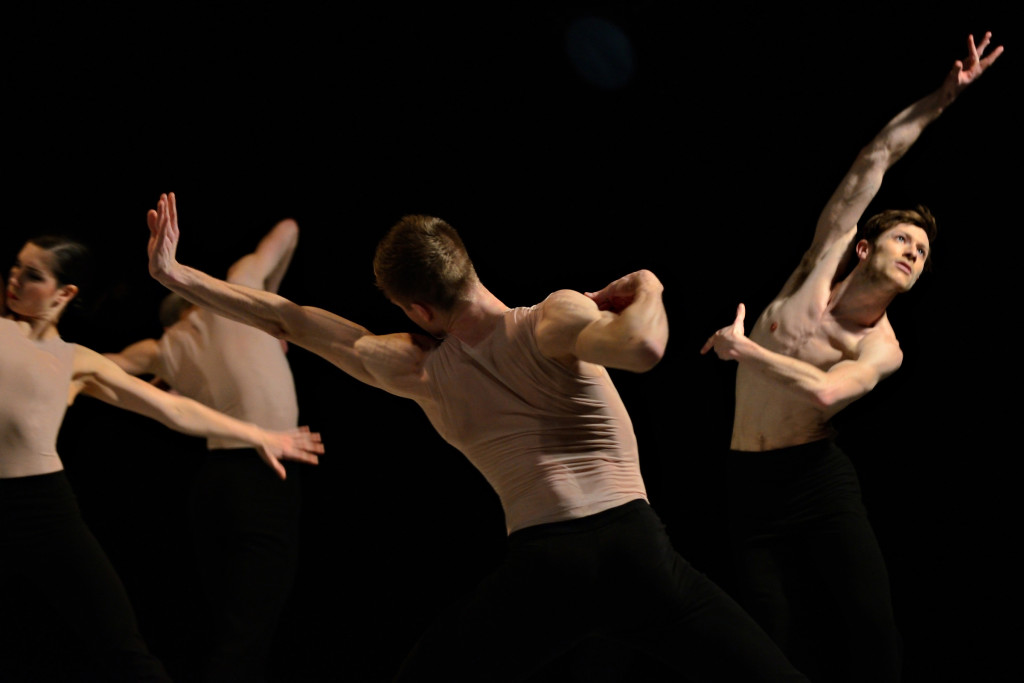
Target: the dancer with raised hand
(43, 540)
(822, 343)
(524, 393)
(245, 521)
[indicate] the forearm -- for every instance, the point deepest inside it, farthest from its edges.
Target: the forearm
(824, 389)
(189, 417)
(905, 128)
(263, 310)
(634, 339)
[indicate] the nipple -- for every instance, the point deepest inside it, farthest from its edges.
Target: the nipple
(774, 326)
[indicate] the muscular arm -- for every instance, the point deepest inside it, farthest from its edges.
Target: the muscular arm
(328, 335)
(265, 267)
(831, 390)
(860, 185)
(99, 377)
(622, 326)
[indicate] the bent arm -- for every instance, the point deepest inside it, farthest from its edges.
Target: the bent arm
(830, 390)
(860, 185)
(622, 326)
(265, 267)
(99, 377)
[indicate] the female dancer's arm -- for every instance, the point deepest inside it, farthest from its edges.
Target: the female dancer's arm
(97, 376)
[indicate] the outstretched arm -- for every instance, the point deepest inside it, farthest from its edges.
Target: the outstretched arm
(98, 376)
(832, 389)
(860, 185)
(265, 267)
(328, 335)
(621, 326)
(137, 359)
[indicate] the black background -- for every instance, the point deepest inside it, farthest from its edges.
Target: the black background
(708, 166)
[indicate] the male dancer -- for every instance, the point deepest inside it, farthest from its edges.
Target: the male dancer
(524, 393)
(245, 519)
(822, 343)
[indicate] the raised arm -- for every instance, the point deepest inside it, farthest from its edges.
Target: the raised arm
(878, 356)
(838, 220)
(265, 267)
(99, 377)
(621, 326)
(325, 334)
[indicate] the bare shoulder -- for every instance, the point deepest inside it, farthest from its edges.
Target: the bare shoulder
(881, 347)
(397, 362)
(821, 264)
(561, 318)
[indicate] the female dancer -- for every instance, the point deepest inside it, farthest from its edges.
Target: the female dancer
(43, 540)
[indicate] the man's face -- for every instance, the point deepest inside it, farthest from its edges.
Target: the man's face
(898, 255)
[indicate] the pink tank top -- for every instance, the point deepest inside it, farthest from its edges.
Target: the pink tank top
(554, 444)
(35, 377)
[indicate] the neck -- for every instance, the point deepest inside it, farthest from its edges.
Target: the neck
(860, 299)
(38, 328)
(472, 320)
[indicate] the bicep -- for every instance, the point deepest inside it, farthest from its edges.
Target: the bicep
(851, 379)
(565, 316)
(397, 362)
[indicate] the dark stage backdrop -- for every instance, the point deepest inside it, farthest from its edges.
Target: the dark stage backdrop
(698, 144)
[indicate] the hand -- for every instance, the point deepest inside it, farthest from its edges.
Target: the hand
(618, 295)
(725, 342)
(163, 237)
(296, 444)
(966, 71)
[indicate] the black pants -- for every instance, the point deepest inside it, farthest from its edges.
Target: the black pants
(245, 522)
(46, 548)
(809, 566)
(613, 575)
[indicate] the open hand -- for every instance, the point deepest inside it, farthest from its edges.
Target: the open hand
(298, 444)
(163, 237)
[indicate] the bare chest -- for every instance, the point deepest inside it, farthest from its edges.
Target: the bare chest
(808, 333)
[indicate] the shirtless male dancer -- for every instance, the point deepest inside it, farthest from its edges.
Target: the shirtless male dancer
(524, 393)
(822, 343)
(245, 520)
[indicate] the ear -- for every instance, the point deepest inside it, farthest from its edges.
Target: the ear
(863, 248)
(65, 294)
(423, 311)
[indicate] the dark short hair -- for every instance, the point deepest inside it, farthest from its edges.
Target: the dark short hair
(422, 259)
(880, 222)
(72, 263)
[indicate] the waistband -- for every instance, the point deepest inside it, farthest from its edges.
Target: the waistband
(582, 524)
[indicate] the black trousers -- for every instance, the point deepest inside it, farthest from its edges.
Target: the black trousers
(246, 526)
(46, 548)
(613, 575)
(809, 565)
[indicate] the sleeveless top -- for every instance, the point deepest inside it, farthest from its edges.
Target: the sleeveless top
(35, 378)
(230, 367)
(553, 443)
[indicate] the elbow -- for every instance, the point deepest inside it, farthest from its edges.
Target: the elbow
(646, 354)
